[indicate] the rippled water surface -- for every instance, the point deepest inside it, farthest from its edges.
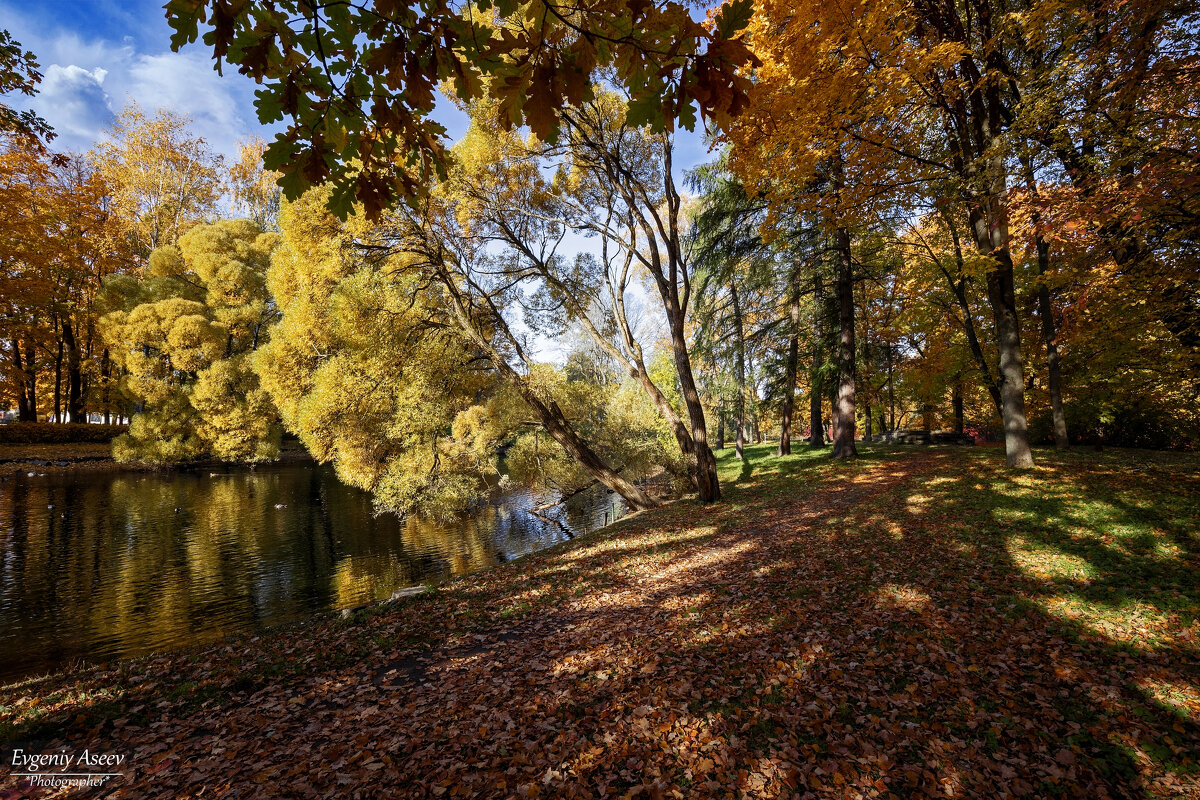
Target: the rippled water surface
(104, 565)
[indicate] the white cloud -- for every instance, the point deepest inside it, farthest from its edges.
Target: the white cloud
(220, 108)
(88, 79)
(73, 101)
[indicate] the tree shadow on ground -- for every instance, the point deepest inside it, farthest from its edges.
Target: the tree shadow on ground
(915, 623)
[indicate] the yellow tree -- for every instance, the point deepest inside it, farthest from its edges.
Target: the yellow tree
(84, 246)
(923, 87)
(611, 181)
(164, 179)
(185, 334)
(256, 188)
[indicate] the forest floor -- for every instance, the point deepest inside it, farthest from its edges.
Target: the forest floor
(921, 622)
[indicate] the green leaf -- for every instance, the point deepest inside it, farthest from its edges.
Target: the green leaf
(644, 111)
(733, 17)
(182, 16)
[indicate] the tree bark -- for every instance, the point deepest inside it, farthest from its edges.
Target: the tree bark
(740, 372)
(1046, 312)
(720, 427)
(891, 424)
(956, 400)
(58, 360)
(868, 431)
(28, 384)
(707, 484)
(1061, 440)
(74, 374)
(793, 363)
(991, 239)
(843, 418)
(816, 428)
(19, 372)
(958, 286)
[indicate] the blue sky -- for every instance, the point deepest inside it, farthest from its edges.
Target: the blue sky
(96, 55)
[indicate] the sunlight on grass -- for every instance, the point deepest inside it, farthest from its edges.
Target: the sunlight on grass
(1182, 699)
(1047, 562)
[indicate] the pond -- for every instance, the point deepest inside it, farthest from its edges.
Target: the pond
(96, 566)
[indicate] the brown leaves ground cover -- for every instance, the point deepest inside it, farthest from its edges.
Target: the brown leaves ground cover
(920, 623)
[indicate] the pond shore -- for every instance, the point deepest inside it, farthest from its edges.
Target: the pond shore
(918, 623)
(57, 459)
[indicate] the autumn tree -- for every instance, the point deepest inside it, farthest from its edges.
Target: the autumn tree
(366, 372)
(255, 189)
(392, 362)
(163, 178)
(84, 246)
(736, 292)
(612, 183)
(803, 158)
(185, 334)
(476, 287)
(25, 284)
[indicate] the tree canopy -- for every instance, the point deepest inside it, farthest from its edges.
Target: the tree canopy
(358, 82)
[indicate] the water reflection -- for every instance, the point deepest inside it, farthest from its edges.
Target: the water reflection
(103, 565)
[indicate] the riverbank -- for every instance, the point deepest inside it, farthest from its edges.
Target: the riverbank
(58, 458)
(917, 623)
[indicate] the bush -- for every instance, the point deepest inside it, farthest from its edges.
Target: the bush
(68, 433)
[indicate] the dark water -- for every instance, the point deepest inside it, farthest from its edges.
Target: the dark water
(105, 565)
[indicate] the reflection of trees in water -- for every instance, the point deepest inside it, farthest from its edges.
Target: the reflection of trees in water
(130, 563)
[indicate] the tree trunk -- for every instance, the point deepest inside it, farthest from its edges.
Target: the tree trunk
(891, 425)
(1061, 441)
(816, 426)
(29, 383)
(707, 483)
(956, 399)
(58, 360)
(74, 375)
(740, 372)
(789, 392)
(830, 422)
(19, 372)
(753, 405)
(991, 239)
(958, 286)
(549, 414)
(868, 432)
(843, 418)
(556, 424)
(1046, 312)
(720, 427)
(105, 375)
